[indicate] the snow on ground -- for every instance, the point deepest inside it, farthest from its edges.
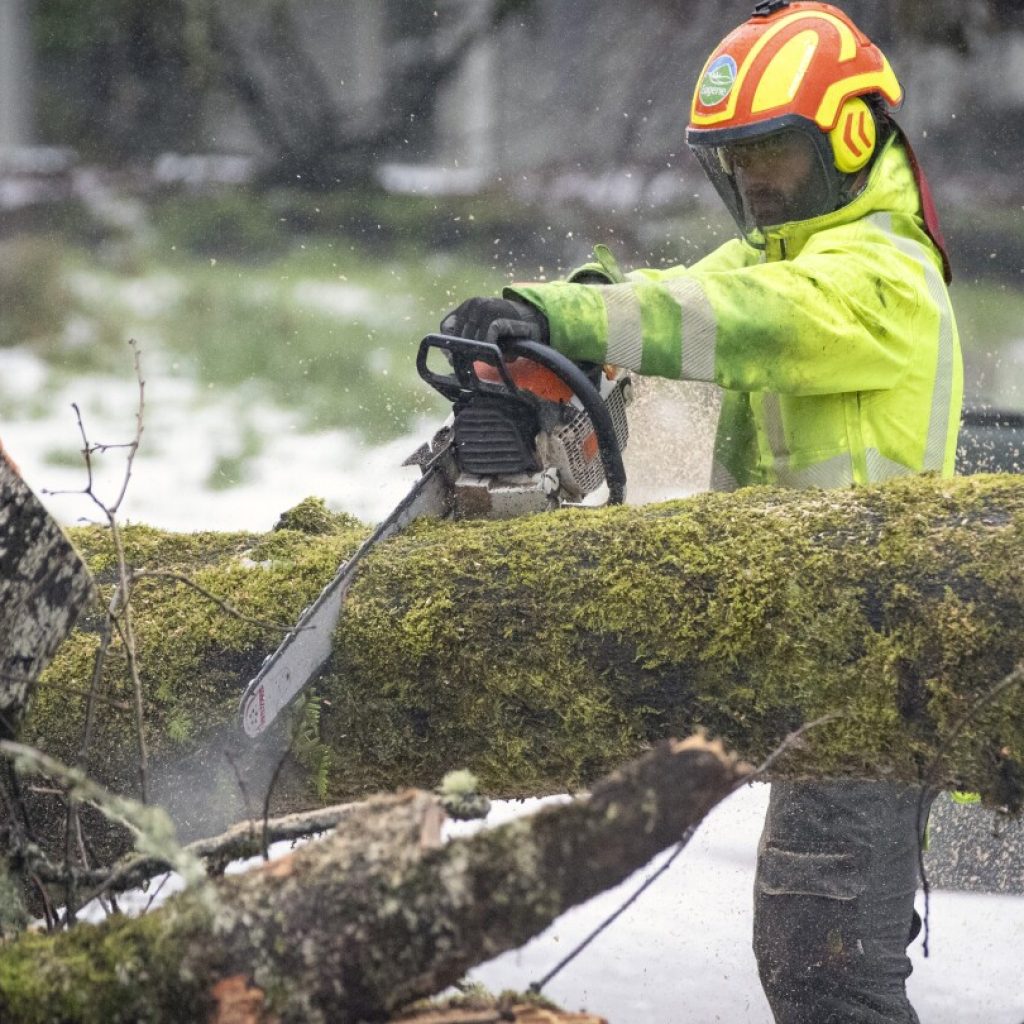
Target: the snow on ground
(681, 954)
(186, 433)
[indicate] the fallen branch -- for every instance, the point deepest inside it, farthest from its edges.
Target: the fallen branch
(240, 842)
(376, 915)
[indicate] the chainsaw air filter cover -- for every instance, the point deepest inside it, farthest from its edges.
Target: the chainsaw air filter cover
(494, 437)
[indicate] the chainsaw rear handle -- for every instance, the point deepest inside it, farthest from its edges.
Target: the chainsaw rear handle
(464, 382)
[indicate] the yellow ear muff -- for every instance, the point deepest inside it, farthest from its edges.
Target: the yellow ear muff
(854, 136)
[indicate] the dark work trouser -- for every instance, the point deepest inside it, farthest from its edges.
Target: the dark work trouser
(834, 900)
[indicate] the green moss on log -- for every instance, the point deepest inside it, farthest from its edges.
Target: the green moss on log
(95, 973)
(312, 515)
(542, 651)
(194, 657)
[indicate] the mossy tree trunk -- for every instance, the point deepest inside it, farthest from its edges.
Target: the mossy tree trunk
(380, 913)
(541, 652)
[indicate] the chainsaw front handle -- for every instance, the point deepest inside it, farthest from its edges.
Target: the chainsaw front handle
(464, 381)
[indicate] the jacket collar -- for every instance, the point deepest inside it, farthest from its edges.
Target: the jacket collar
(890, 188)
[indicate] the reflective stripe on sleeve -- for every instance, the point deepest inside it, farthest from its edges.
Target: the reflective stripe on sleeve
(834, 472)
(721, 478)
(942, 392)
(771, 414)
(838, 471)
(625, 330)
(699, 328)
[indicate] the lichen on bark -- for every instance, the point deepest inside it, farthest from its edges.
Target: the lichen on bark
(378, 914)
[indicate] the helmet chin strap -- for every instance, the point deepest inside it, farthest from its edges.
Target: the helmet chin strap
(857, 183)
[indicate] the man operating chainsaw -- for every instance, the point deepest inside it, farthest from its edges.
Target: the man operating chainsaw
(828, 326)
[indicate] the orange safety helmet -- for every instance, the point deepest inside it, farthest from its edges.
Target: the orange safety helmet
(794, 67)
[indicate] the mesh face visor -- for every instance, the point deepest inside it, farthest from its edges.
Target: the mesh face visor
(787, 175)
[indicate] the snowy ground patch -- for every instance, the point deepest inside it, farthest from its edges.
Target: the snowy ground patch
(190, 434)
(682, 951)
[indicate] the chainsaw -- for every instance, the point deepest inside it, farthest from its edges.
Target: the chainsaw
(529, 431)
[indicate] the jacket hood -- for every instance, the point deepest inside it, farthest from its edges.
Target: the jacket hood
(895, 185)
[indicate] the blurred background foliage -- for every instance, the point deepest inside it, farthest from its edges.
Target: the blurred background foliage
(281, 196)
(122, 78)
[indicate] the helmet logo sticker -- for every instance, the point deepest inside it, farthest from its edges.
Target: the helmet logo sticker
(718, 81)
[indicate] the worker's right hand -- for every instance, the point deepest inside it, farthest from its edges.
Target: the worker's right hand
(496, 320)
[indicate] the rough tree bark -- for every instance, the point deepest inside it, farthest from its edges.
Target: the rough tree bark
(355, 926)
(43, 587)
(543, 651)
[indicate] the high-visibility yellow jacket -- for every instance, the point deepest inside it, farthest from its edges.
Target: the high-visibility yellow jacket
(834, 340)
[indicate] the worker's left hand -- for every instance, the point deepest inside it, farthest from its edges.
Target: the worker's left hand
(497, 321)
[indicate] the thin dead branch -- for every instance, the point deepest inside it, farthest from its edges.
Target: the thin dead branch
(225, 606)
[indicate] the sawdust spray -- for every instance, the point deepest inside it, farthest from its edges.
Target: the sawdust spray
(671, 438)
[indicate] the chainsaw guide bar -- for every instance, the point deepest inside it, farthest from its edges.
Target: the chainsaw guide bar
(530, 431)
(307, 647)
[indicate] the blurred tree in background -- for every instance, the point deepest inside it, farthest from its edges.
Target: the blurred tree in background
(122, 78)
(126, 79)
(129, 77)
(542, 97)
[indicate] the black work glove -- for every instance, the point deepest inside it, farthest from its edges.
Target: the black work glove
(496, 321)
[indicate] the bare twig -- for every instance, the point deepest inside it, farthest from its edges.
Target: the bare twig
(156, 892)
(794, 739)
(537, 986)
(123, 625)
(225, 606)
(1015, 678)
(237, 843)
(265, 840)
(104, 699)
(119, 616)
(151, 826)
(133, 446)
(71, 824)
(928, 777)
(127, 627)
(244, 790)
(20, 838)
